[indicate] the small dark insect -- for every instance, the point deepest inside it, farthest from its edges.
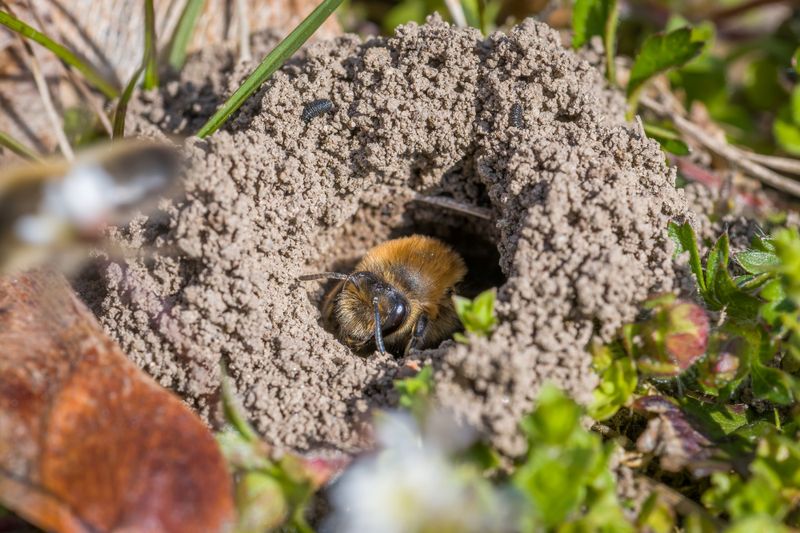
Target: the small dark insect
(516, 116)
(316, 108)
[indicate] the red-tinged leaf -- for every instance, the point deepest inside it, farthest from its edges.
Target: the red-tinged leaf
(675, 337)
(87, 441)
(671, 436)
(688, 337)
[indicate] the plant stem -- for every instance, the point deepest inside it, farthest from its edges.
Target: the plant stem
(151, 68)
(122, 105)
(610, 41)
(17, 147)
(91, 75)
(183, 33)
(269, 65)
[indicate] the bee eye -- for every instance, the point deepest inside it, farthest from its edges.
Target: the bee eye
(396, 312)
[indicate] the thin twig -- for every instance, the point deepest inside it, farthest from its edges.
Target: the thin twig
(455, 205)
(741, 9)
(784, 164)
(47, 101)
(734, 155)
(244, 31)
(79, 84)
(44, 92)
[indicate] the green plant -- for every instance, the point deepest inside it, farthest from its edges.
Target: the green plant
(477, 315)
(150, 47)
(659, 53)
(272, 490)
(63, 53)
(17, 147)
(768, 494)
(597, 17)
(415, 391)
(665, 344)
(183, 33)
(564, 478)
(121, 111)
(269, 65)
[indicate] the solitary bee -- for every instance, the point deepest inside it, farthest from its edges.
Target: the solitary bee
(398, 299)
(51, 210)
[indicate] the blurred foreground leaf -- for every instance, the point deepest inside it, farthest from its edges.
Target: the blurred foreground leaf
(95, 444)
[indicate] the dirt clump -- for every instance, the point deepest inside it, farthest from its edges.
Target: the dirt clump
(580, 201)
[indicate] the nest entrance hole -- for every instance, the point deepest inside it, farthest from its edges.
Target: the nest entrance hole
(474, 239)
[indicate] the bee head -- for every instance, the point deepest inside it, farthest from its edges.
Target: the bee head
(369, 308)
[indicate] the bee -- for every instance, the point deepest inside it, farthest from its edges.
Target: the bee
(49, 210)
(398, 299)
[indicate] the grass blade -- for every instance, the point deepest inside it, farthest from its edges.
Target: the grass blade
(122, 105)
(150, 47)
(610, 42)
(269, 65)
(183, 33)
(17, 147)
(91, 75)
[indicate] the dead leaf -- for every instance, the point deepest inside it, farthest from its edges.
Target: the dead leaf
(671, 436)
(88, 442)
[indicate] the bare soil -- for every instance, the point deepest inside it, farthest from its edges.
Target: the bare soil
(580, 203)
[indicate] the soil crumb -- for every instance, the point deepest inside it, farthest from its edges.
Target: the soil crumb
(578, 239)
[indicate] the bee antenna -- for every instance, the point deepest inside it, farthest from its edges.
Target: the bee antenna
(323, 275)
(378, 333)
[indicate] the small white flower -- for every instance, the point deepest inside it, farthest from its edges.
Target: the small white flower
(412, 486)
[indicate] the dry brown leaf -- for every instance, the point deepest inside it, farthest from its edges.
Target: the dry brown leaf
(87, 441)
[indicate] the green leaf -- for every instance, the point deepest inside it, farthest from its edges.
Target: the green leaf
(717, 255)
(659, 53)
(476, 315)
(669, 140)
(122, 106)
(81, 126)
(150, 47)
(555, 418)
(588, 19)
(717, 420)
(786, 132)
(686, 240)
(618, 382)
(269, 65)
(17, 147)
(415, 391)
(183, 33)
(725, 293)
(64, 54)
(564, 482)
(234, 414)
(483, 306)
(794, 105)
(597, 17)
(761, 85)
(757, 262)
(770, 383)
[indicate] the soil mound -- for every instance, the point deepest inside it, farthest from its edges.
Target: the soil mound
(514, 123)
